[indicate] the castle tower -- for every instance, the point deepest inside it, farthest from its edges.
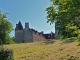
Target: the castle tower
(19, 33)
(28, 34)
(27, 25)
(19, 26)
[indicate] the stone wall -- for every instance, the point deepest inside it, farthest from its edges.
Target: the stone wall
(19, 36)
(37, 37)
(28, 35)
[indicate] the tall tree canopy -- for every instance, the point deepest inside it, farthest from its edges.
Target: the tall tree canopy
(5, 28)
(66, 15)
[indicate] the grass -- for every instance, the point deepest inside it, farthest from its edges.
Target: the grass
(46, 50)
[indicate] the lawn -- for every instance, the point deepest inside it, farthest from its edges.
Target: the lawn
(46, 50)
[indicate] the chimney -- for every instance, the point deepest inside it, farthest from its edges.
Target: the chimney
(16, 27)
(27, 25)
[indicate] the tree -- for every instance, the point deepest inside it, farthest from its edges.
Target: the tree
(66, 15)
(5, 28)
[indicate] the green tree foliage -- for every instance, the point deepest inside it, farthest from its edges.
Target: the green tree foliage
(5, 28)
(66, 15)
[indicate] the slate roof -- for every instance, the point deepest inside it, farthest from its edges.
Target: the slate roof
(49, 36)
(19, 26)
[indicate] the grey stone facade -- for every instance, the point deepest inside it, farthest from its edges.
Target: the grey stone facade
(29, 35)
(19, 36)
(26, 34)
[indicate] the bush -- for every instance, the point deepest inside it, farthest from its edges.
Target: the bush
(9, 40)
(69, 40)
(6, 54)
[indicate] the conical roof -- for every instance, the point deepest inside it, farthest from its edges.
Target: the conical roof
(20, 27)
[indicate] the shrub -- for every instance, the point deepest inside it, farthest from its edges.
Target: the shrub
(6, 54)
(9, 40)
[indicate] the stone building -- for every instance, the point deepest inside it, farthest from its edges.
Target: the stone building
(30, 35)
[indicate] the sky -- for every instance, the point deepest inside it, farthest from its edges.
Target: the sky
(32, 11)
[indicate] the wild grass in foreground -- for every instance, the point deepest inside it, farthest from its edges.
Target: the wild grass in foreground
(46, 50)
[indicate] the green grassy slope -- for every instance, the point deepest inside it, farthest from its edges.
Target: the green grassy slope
(47, 50)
